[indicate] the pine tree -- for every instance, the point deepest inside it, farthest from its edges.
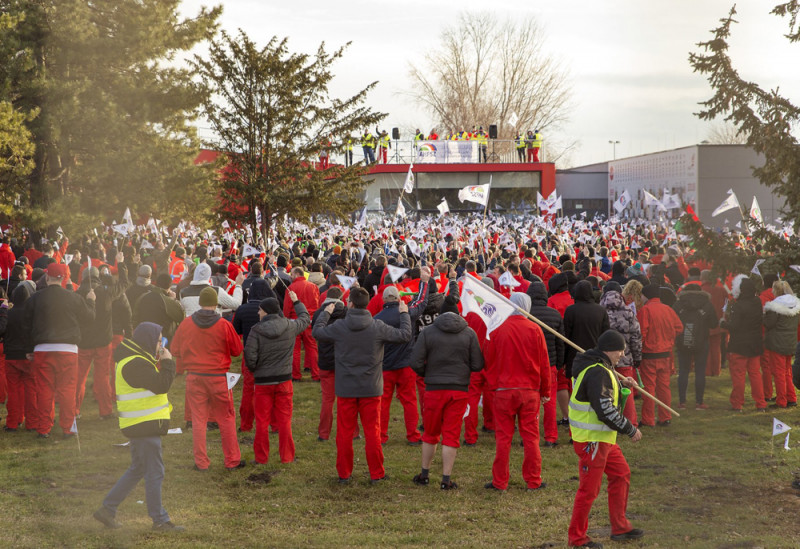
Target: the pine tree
(115, 108)
(765, 117)
(272, 113)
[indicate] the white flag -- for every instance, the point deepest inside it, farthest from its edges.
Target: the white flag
(755, 267)
(671, 201)
(74, 428)
(477, 298)
(779, 427)
(475, 193)
(248, 250)
(541, 203)
(795, 268)
(68, 258)
(362, 219)
(507, 280)
(728, 204)
(127, 218)
(151, 224)
(401, 210)
(513, 119)
(755, 211)
(226, 225)
(346, 281)
(414, 247)
(396, 272)
(408, 186)
(122, 229)
(623, 201)
(443, 207)
(650, 200)
(233, 379)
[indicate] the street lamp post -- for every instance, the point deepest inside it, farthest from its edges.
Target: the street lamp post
(614, 144)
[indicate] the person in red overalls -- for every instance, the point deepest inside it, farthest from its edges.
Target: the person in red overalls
(308, 293)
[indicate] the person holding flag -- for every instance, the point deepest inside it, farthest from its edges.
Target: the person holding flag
(595, 418)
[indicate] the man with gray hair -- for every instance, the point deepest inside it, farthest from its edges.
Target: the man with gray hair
(518, 371)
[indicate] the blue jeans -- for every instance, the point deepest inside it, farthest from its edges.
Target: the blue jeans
(700, 356)
(369, 155)
(146, 462)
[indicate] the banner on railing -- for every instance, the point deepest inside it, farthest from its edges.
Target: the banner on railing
(446, 152)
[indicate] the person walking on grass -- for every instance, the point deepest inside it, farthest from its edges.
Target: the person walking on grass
(445, 354)
(144, 373)
(595, 418)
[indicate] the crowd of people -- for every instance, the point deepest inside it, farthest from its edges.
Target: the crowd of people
(376, 312)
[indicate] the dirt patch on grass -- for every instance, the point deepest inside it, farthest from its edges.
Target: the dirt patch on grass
(261, 478)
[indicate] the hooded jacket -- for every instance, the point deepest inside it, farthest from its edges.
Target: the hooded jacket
(398, 355)
(744, 319)
(560, 298)
(55, 315)
(139, 373)
(358, 342)
(98, 332)
(190, 296)
(516, 357)
(446, 353)
(555, 346)
(693, 304)
(584, 321)
(326, 359)
(159, 308)
(205, 342)
(622, 319)
(306, 291)
(781, 316)
(270, 345)
(598, 390)
(660, 326)
(246, 315)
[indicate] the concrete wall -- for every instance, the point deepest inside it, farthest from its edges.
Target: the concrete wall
(584, 189)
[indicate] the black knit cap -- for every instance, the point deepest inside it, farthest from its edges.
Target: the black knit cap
(651, 291)
(611, 340)
(270, 305)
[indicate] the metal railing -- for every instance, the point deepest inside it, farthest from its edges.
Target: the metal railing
(407, 151)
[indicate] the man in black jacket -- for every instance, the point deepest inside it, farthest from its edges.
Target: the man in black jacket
(53, 316)
(268, 354)
(327, 364)
(160, 306)
(96, 336)
(145, 371)
(555, 352)
(446, 354)
(358, 347)
(397, 373)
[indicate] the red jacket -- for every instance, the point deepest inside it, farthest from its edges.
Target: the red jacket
(308, 294)
(560, 302)
(766, 296)
(7, 260)
(206, 350)
(660, 326)
(516, 357)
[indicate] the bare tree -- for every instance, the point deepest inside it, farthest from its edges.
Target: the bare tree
(487, 70)
(725, 133)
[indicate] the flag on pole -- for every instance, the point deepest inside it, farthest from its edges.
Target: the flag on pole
(248, 250)
(346, 281)
(408, 186)
(779, 427)
(362, 219)
(541, 203)
(127, 218)
(507, 280)
(477, 298)
(795, 268)
(623, 201)
(755, 211)
(443, 207)
(475, 193)
(650, 200)
(513, 119)
(396, 272)
(671, 201)
(755, 270)
(401, 210)
(729, 203)
(233, 379)
(74, 428)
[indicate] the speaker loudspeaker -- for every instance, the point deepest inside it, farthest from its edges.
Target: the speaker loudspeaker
(395, 133)
(493, 131)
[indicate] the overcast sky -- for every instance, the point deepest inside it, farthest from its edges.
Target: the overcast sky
(627, 58)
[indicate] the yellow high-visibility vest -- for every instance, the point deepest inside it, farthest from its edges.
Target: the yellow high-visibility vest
(583, 421)
(134, 404)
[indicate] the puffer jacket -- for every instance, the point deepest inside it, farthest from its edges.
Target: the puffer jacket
(555, 346)
(781, 317)
(446, 353)
(744, 319)
(358, 342)
(270, 345)
(622, 319)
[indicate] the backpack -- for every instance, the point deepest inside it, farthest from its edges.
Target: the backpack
(694, 323)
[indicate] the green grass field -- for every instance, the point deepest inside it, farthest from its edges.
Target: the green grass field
(711, 479)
